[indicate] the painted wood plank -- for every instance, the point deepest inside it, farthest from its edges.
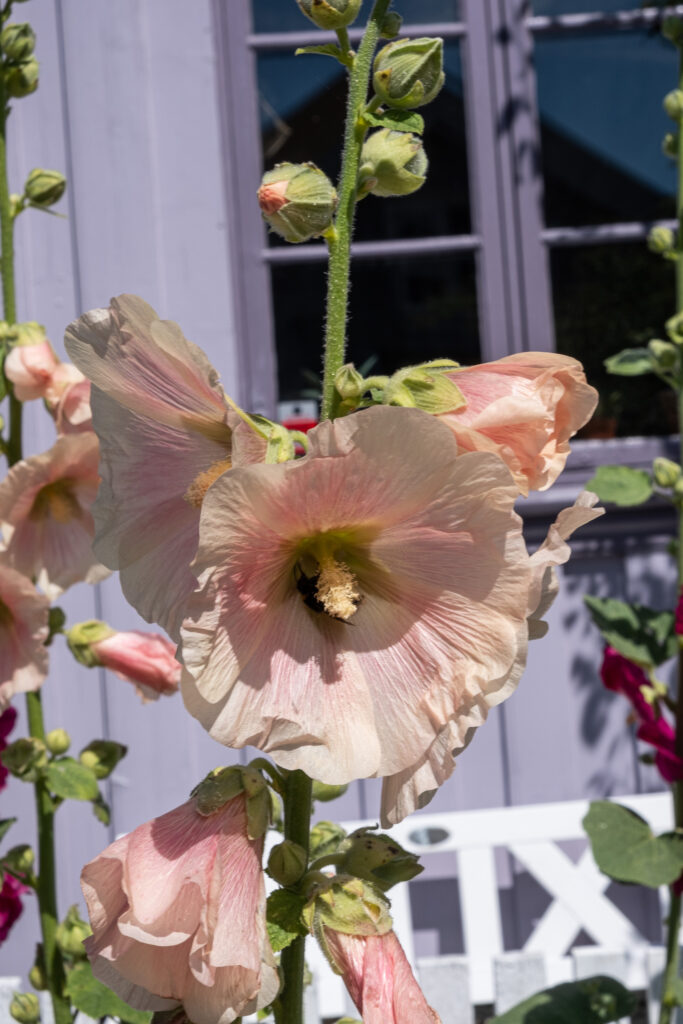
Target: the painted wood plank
(516, 976)
(481, 917)
(445, 983)
(557, 928)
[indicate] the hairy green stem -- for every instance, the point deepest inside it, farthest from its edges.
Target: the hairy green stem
(339, 241)
(9, 302)
(297, 804)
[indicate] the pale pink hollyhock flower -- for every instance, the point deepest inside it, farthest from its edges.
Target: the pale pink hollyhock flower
(146, 659)
(177, 909)
(68, 399)
(360, 607)
(7, 721)
(166, 433)
(30, 369)
(23, 632)
(525, 408)
(45, 512)
(379, 978)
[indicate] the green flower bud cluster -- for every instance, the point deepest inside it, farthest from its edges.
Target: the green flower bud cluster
(298, 201)
(392, 163)
(26, 758)
(102, 756)
(17, 42)
(25, 1008)
(330, 14)
(20, 67)
(409, 73)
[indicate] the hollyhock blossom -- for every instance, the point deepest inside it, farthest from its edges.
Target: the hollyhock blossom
(146, 659)
(68, 399)
(30, 368)
(23, 632)
(525, 408)
(11, 906)
(45, 512)
(177, 909)
(622, 676)
(166, 433)
(361, 605)
(7, 721)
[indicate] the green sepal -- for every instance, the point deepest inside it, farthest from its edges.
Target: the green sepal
(641, 634)
(427, 387)
(219, 786)
(326, 50)
(621, 485)
(378, 858)
(5, 826)
(71, 780)
(94, 999)
(283, 917)
(597, 1000)
(631, 362)
(397, 120)
(626, 849)
(258, 813)
(101, 810)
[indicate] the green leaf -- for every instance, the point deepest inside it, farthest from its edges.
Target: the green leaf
(5, 826)
(397, 120)
(597, 1000)
(632, 362)
(639, 633)
(71, 780)
(101, 809)
(283, 914)
(626, 849)
(325, 50)
(94, 999)
(621, 485)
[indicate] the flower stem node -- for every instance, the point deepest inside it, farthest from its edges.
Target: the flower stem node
(408, 73)
(674, 328)
(22, 79)
(25, 1008)
(391, 25)
(17, 42)
(326, 837)
(71, 934)
(673, 104)
(81, 638)
(427, 387)
(58, 741)
(392, 164)
(670, 145)
(666, 473)
(665, 355)
(661, 240)
(377, 858)
(330, 14)
(298, 201)
(26, 758)
(44, 188)
(325, 793)
(102, 757)
(287, 862)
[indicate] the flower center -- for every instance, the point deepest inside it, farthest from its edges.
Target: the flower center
(196, 492)
(56, 501)
(328, 585)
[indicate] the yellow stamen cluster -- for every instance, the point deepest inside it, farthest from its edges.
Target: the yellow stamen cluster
(196, 492)
(56, 501)
(337, 589)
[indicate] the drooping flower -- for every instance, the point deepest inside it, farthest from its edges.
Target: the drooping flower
(45, 512)
(30, 368)
(525, 408)
(359, 610)
(177, 909)
(622, 676)
(23, 632)
(7, 722)
(11, 906)
(166, 433)
(146, 659)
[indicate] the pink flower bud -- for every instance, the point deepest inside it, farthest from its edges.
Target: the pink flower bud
(272, 196)
(146, 659)
(30, 368)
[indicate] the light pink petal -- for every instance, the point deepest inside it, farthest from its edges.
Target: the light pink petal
(23, 632)
(30, 368)
(147, 659)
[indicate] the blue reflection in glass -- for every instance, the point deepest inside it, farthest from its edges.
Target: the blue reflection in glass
(582, 6)
(284, 15)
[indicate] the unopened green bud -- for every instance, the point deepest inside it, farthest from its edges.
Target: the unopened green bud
(17, 42)
(409, 72)
(430, 387)
(349, 384)
(673, 104)
(665, 354)
(58, 741)
(82, 636)
(660, 239)
(20, 859)
(672, 29)
(25, 758)
(670, 145)
(102, 756)
(22, 79)
(55, 620)
(330, 14)
(325, 839)
(665, 472)
(44, 188)
(37, 975)
(287, 862)
(298, 201)
(71, 934)
(16, 204)
(377, 858)
(674, 328)
(323, 792)
(347, 905)
(25, 1008)
(391, 25)
(392, 164)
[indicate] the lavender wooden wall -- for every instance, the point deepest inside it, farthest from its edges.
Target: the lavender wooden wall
(128, 106)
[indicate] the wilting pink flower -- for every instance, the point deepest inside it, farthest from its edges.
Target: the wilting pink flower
(146, 659)
(23, 632)
(68, 399)
(525, 408)
(11, 906)
(7, 721)
(166, 433)
(622, 676)
(379, 978)
(30, 368)
(45, 512)
(177, 909)
(360, 610)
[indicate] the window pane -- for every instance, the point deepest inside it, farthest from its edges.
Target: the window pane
(580, 6)
(284, 15)
(607, 298)
(302, 103)
(602, 125)
(402, 311)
